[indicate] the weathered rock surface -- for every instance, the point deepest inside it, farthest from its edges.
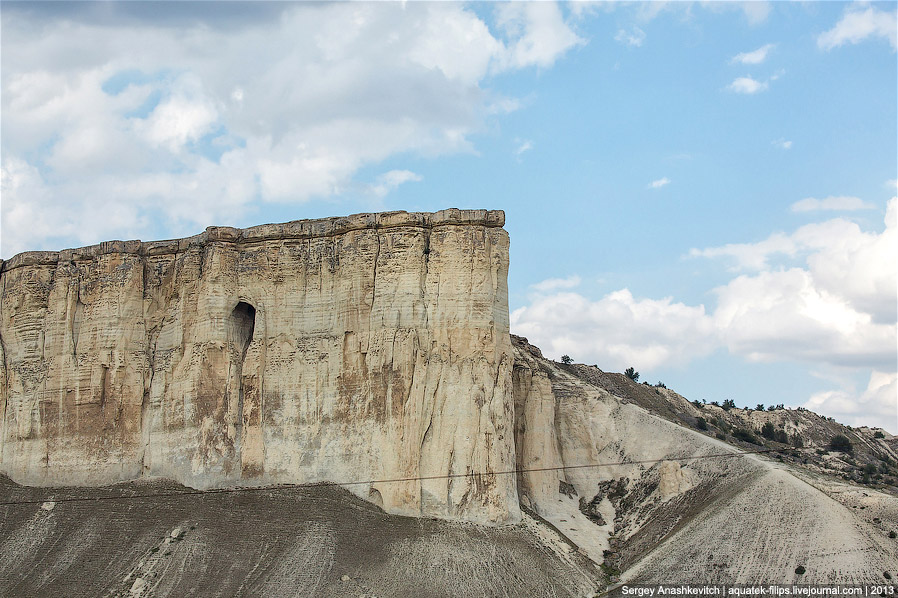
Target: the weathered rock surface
(147, 538)
(369, 347)
(662, 503)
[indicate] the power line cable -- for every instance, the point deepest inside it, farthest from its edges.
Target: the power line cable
(193, 492)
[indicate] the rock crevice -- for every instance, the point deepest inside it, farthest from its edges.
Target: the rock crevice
(369, 347)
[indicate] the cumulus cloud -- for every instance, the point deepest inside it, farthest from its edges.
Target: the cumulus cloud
(659, 183)
(536, 32)
(754, 57)
(790, 315)
(874, 406)
(858, 24)
(834, 203)
(836, 307)
(618, 330)
(747, 85)
(782, 143)
(193, 114)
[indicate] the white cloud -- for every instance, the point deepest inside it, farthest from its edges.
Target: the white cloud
(782, 143)
(750, 256)
(178, 120)
(756, 11)
(632, 38)
(747, 85)
(389, 181)
(789, 315)
(523, 145)
(875, 406)
(659, 183)
(618, 330)
(857, 24)
(837, 308)
(892, 184)
(840, 203)
(536, 33)
(222, 115)
(552, 284)
(754, 57)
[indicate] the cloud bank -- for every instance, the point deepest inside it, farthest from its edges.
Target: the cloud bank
(834, 307)
(115, 118)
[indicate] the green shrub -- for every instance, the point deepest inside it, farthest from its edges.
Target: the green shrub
(767, 431)
(781, 436)
(698, 404)
(745, 435)
(878, 434)
(841, 443)
(760, 407)
(728, 404)
(566, 359)
(721, 436)
(892, 534)
(800, 570)
(797, 442)
(632, 374)
(701, 424)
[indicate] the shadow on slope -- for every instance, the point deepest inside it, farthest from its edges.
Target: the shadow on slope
(303, 541)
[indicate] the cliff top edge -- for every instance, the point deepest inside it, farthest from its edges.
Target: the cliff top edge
(296, 229)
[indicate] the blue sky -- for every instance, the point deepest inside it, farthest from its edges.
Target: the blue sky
(703, 191)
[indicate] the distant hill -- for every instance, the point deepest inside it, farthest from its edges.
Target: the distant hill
(663, 501)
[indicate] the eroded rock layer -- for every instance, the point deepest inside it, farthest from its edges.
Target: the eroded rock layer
(363, 348)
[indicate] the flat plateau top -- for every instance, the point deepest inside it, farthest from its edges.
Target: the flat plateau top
(297, 229)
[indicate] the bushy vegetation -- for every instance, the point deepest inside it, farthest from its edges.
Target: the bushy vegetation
(728, 404)
(566, 359)
(767, 431)
(632, 374)
(841, 443)
(878, 434)
(701, 424)
(745, 436)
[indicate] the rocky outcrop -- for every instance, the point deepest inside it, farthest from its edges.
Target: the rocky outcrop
(371, 347)
(658, 502)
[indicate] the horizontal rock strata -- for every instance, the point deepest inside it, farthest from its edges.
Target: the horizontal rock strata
(370, 347)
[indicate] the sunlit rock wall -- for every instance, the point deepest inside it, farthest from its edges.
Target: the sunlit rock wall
(370, 347)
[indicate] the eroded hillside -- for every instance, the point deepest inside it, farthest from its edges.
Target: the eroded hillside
(149, 538)
(663, 502)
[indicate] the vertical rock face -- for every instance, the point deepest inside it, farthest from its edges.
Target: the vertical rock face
(364, 348)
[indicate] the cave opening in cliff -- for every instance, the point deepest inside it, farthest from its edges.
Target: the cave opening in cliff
(242, 324)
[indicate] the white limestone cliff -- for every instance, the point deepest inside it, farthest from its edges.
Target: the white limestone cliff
(370, 347)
